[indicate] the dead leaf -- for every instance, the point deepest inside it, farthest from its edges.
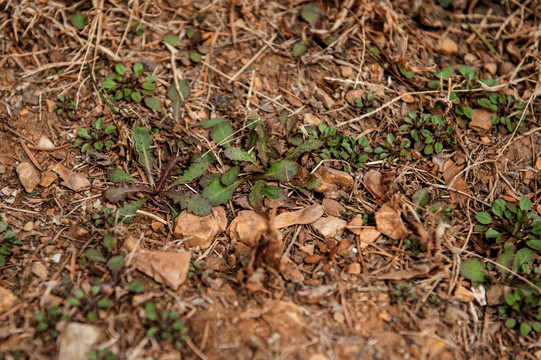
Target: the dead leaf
(420, 271)
(389, 223)
(450, 171)
(301, 217)
(355, 225)
(373, 181)
(446, 46)
(333, 207)
(72, 180)
(367, 236)
(291, 273)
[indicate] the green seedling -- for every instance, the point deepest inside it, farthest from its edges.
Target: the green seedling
(137, 29)
(366, 103)
(426, 133)
(508, 111)
(47, 321)
(128, 84)
(413, 246)
(89, 303)
(522, 310)
(194, 45)
(109, 257)
(95, 139)
(164, 325)
(104, 218)
(404, 293)
(64, 107)
(8, 242)
(103, 354)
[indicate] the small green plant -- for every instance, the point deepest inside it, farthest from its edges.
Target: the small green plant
(89, 303)
(426, 132)
(104, 218)
(64, 107)
(8, 241)
(103, 354)
(522, 309)
(466, 77)
(137, 29)
(130, 85)
(47, 321)
(413, 246)
(96, 138)
(504, 105)
(366, 102)
(199, 273)
(194, 45)
(404, 293)
(164, 325)
(114, 262)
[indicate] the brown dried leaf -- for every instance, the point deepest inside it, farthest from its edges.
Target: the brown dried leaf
(373, 180)
(389, 222)
(72, 180)
(450, 171)
(301, 217)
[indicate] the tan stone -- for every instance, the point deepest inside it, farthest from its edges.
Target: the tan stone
(492, 68)
(481, 120)
(446, 46)
(168, 268)
(199, 230)
(40, 270)
(333, 207)
(47, 178)
(354, 268)
(310, 119)
(329, 227)
(322, 96)
(506, 68)
(156, 226)
(355, 225)
(332, 181)
(28, 176)
(347, 71)
(248, 227)
(367, 236)
(389, 223)
(77, 340)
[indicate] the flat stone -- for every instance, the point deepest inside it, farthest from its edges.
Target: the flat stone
(199, 230)
(347, 71)
(329, 227)
(354, 268)
(47, 178)
(167, 268)
(505, 68)
(28, 176)
(77, 340)
(45, 142)
(353, 94)
(389, 223)
(248, 227)
(7, 299)
(156, 226)
(310, 119)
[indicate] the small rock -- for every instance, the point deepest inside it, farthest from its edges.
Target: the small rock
(47, 178)
(464, 294)
(446, 46)
(496, 294)
(389, 223)
(347, 71)
(333, 207)
(56, 258)
(318, 357)
(492, 68)
(45, 142)
(40, 270)
(339, 317)
(300, 217)
(322, 96)
(481, 120)
(355, 225)
(353, 94)
(308, 249)
(156, 226)
(29, 226)
(329, 227)
(77, 232)
(7, 299)
(354, 268)
(385, 316)
(200, 230)
(506, 68)
(28, 176)
(291, 273)
(470, 59)
(332, 181)
(367, 236)
(310, 119)
(248, 227)
(77, 340)
(164, 267)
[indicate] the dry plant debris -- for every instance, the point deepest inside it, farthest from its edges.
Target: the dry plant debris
(270, 179)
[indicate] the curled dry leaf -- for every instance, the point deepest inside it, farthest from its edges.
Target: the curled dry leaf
(373, 180)
(451, 176)
(389, 223)
(301, 217)
(72, 180)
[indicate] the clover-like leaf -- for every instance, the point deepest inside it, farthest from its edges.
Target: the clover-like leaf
(79, 20)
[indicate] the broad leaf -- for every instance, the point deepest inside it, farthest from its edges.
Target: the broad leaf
(222, 133)
(257, 194)
(152, 103)
(94, 255)
(308, 145)
(421, 197)
(299, 48)
(193, 203)
(218, 193)
(178, 98)
(118, 175)
(506, 258)
(195, 170)
(119, 193)
(283, 171)
(473, 270)
(79, 20)
(115, 264)
(310, 14)
(523, 256)
(274, 192)
(172, 40)
(483, 217)
(230, 175)
(136, 287)
(208, 123)
(143, 142)
(127, 212)
(237, 154)
(262, 144)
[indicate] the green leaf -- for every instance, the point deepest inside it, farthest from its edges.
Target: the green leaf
(178, 98)
(486, 103)
(283, 171)
(306, 146)
(473, 270)
(208, 123)
(299, 48)
(104, 303)
(110, 129)
(79, 20)
(491, 234)
(230, 175)
(109, 242)
(421, 197)
(273, 192)
(198, 205)
(498, 207)
(262, 144)
(446, 72)
(115, 264)
(195, 170)
(143, 142)
(127, 212)
(534, 244)
(109, 84)
(149, 86)
(136, 96)
(150, 310)
(94, 255)
(237, 154)
(523, 256)
(152, 103)
(98, 124)
(218, 193)
(83, 133)
(172, 40)
(120, 69)
(310, 14)
(222, 133)
(195, 56)
(119, 175)
(406, 73)
(483, 217)
(78, 293)
(257, 194)
(525, 329)
(510, 323)
(136, 287)
(525, 204)
(3, 226)
(2, 260)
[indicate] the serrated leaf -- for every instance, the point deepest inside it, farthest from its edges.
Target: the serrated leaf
(310, 14)
(195, 170)
(172, 40)
(119, 175)
(119, 193)
(421, 197)
(306, 146)
(79, 20)
(299, 48)
(237, 154)
(262, 144)
(473, 270)
(230, 175)
(222, 133)
(115, 264)
(283, 170)
(218, 193)
(143, 142)
(178, 98)
(193, 203)
(94, 255)
(257, 194)
(127, 212)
